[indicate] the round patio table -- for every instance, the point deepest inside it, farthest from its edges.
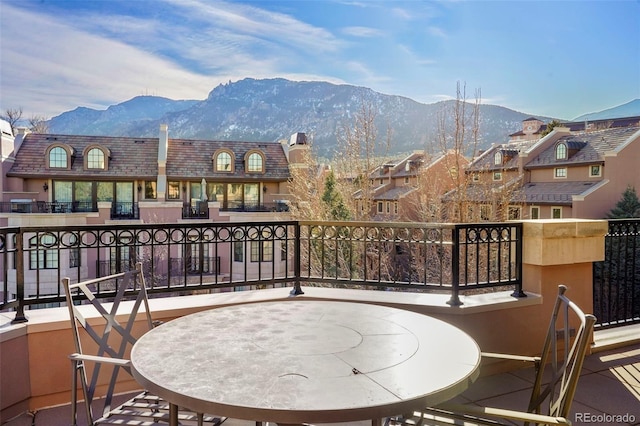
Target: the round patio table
(303, 361)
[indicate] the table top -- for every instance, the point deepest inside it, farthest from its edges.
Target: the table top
(301, 361)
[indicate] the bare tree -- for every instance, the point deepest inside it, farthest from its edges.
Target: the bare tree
(13, 117)
(359, 152)
(38, 124)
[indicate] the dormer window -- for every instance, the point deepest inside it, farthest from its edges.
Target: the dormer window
(497, 158)
(255, 162)
(96, 158)
(561, 151)
(59, 156)
(222, 161)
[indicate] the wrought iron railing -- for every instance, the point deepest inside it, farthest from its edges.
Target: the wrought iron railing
(125, 210)
(47, 207)
(199, 210)
(384, 256)
(616, 280)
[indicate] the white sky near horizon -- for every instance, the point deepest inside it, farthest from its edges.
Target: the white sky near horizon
(558, 59)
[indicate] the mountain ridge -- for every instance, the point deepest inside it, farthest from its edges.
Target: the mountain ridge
(273, 109)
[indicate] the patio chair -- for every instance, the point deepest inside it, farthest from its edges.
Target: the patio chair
(557, 371)
(113, 341)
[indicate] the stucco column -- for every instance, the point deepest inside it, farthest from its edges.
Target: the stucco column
(562, 251)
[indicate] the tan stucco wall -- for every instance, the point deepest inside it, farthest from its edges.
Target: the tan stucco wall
(555, 252)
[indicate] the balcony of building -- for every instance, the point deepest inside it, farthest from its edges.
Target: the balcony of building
(499, 293)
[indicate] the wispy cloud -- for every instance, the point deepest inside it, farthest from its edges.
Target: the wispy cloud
(362, 31)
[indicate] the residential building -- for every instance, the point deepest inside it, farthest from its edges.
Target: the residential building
(409, 189)
(72, 180)
(578, 171)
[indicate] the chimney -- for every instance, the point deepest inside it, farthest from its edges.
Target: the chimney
(163, 148)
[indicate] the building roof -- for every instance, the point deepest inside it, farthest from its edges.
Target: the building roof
(511, 151)
(138, 158)
(587, 147)
(130, 157)
(560, 193)
(394, 194)
(194, 159)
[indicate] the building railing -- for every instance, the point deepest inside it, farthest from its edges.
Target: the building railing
(616, 280)
(240, 206)
(199, 210)
(48, 207)
(125, 210)
(385, 256)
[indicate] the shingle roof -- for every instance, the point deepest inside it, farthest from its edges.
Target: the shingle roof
(590, 146)
(138, 158)
(395, 193)
(553, 192)
(194, 159)
(130, 157)
(512, 150)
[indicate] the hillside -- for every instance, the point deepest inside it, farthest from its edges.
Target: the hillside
(273, 109)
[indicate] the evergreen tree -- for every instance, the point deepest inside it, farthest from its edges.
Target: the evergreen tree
(336, 206)
(628, 206)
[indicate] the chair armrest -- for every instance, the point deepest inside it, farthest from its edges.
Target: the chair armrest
(103, 359)
(501, 413)
(535, 359)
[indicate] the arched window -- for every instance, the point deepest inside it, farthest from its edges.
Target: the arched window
(95, 159)
(223, 162)
(497, 158)
(561, 151)
(58, 158)
(255, 163)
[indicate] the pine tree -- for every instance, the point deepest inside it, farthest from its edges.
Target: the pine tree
(628, 206)
(331, 197)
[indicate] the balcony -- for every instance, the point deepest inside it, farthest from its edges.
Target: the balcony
(478, 277)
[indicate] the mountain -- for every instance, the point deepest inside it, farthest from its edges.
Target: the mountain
(117, 119)
(630, 109)
(273, 109)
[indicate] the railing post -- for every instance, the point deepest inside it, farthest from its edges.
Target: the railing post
(455, 267)
(518, 291)
(20, 316)
(296, 290)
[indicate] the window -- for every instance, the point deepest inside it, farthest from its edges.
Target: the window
(406, 179)
(561, 151)
(534, 212)
(513, 213)
(42, 254)
(380, 207)
(475, 177)
(238, 251)
(381, 181)
(395, 207)
(223, 162)
(560, 172)
(261, 251)
(485, 212)
(497, 158)
(595, 171)
(497, 176)
(58, 158)
(95, 159)
(388, 207)
(74, 252)
(150, 190)
(255, 163)
(173, 190)
(556, 212)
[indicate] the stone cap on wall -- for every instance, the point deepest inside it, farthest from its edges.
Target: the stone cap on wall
(563, 241)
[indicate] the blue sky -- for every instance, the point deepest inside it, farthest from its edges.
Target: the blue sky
(548, 58)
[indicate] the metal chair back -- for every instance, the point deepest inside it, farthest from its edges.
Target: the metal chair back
(111, 333)
(568, 338)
